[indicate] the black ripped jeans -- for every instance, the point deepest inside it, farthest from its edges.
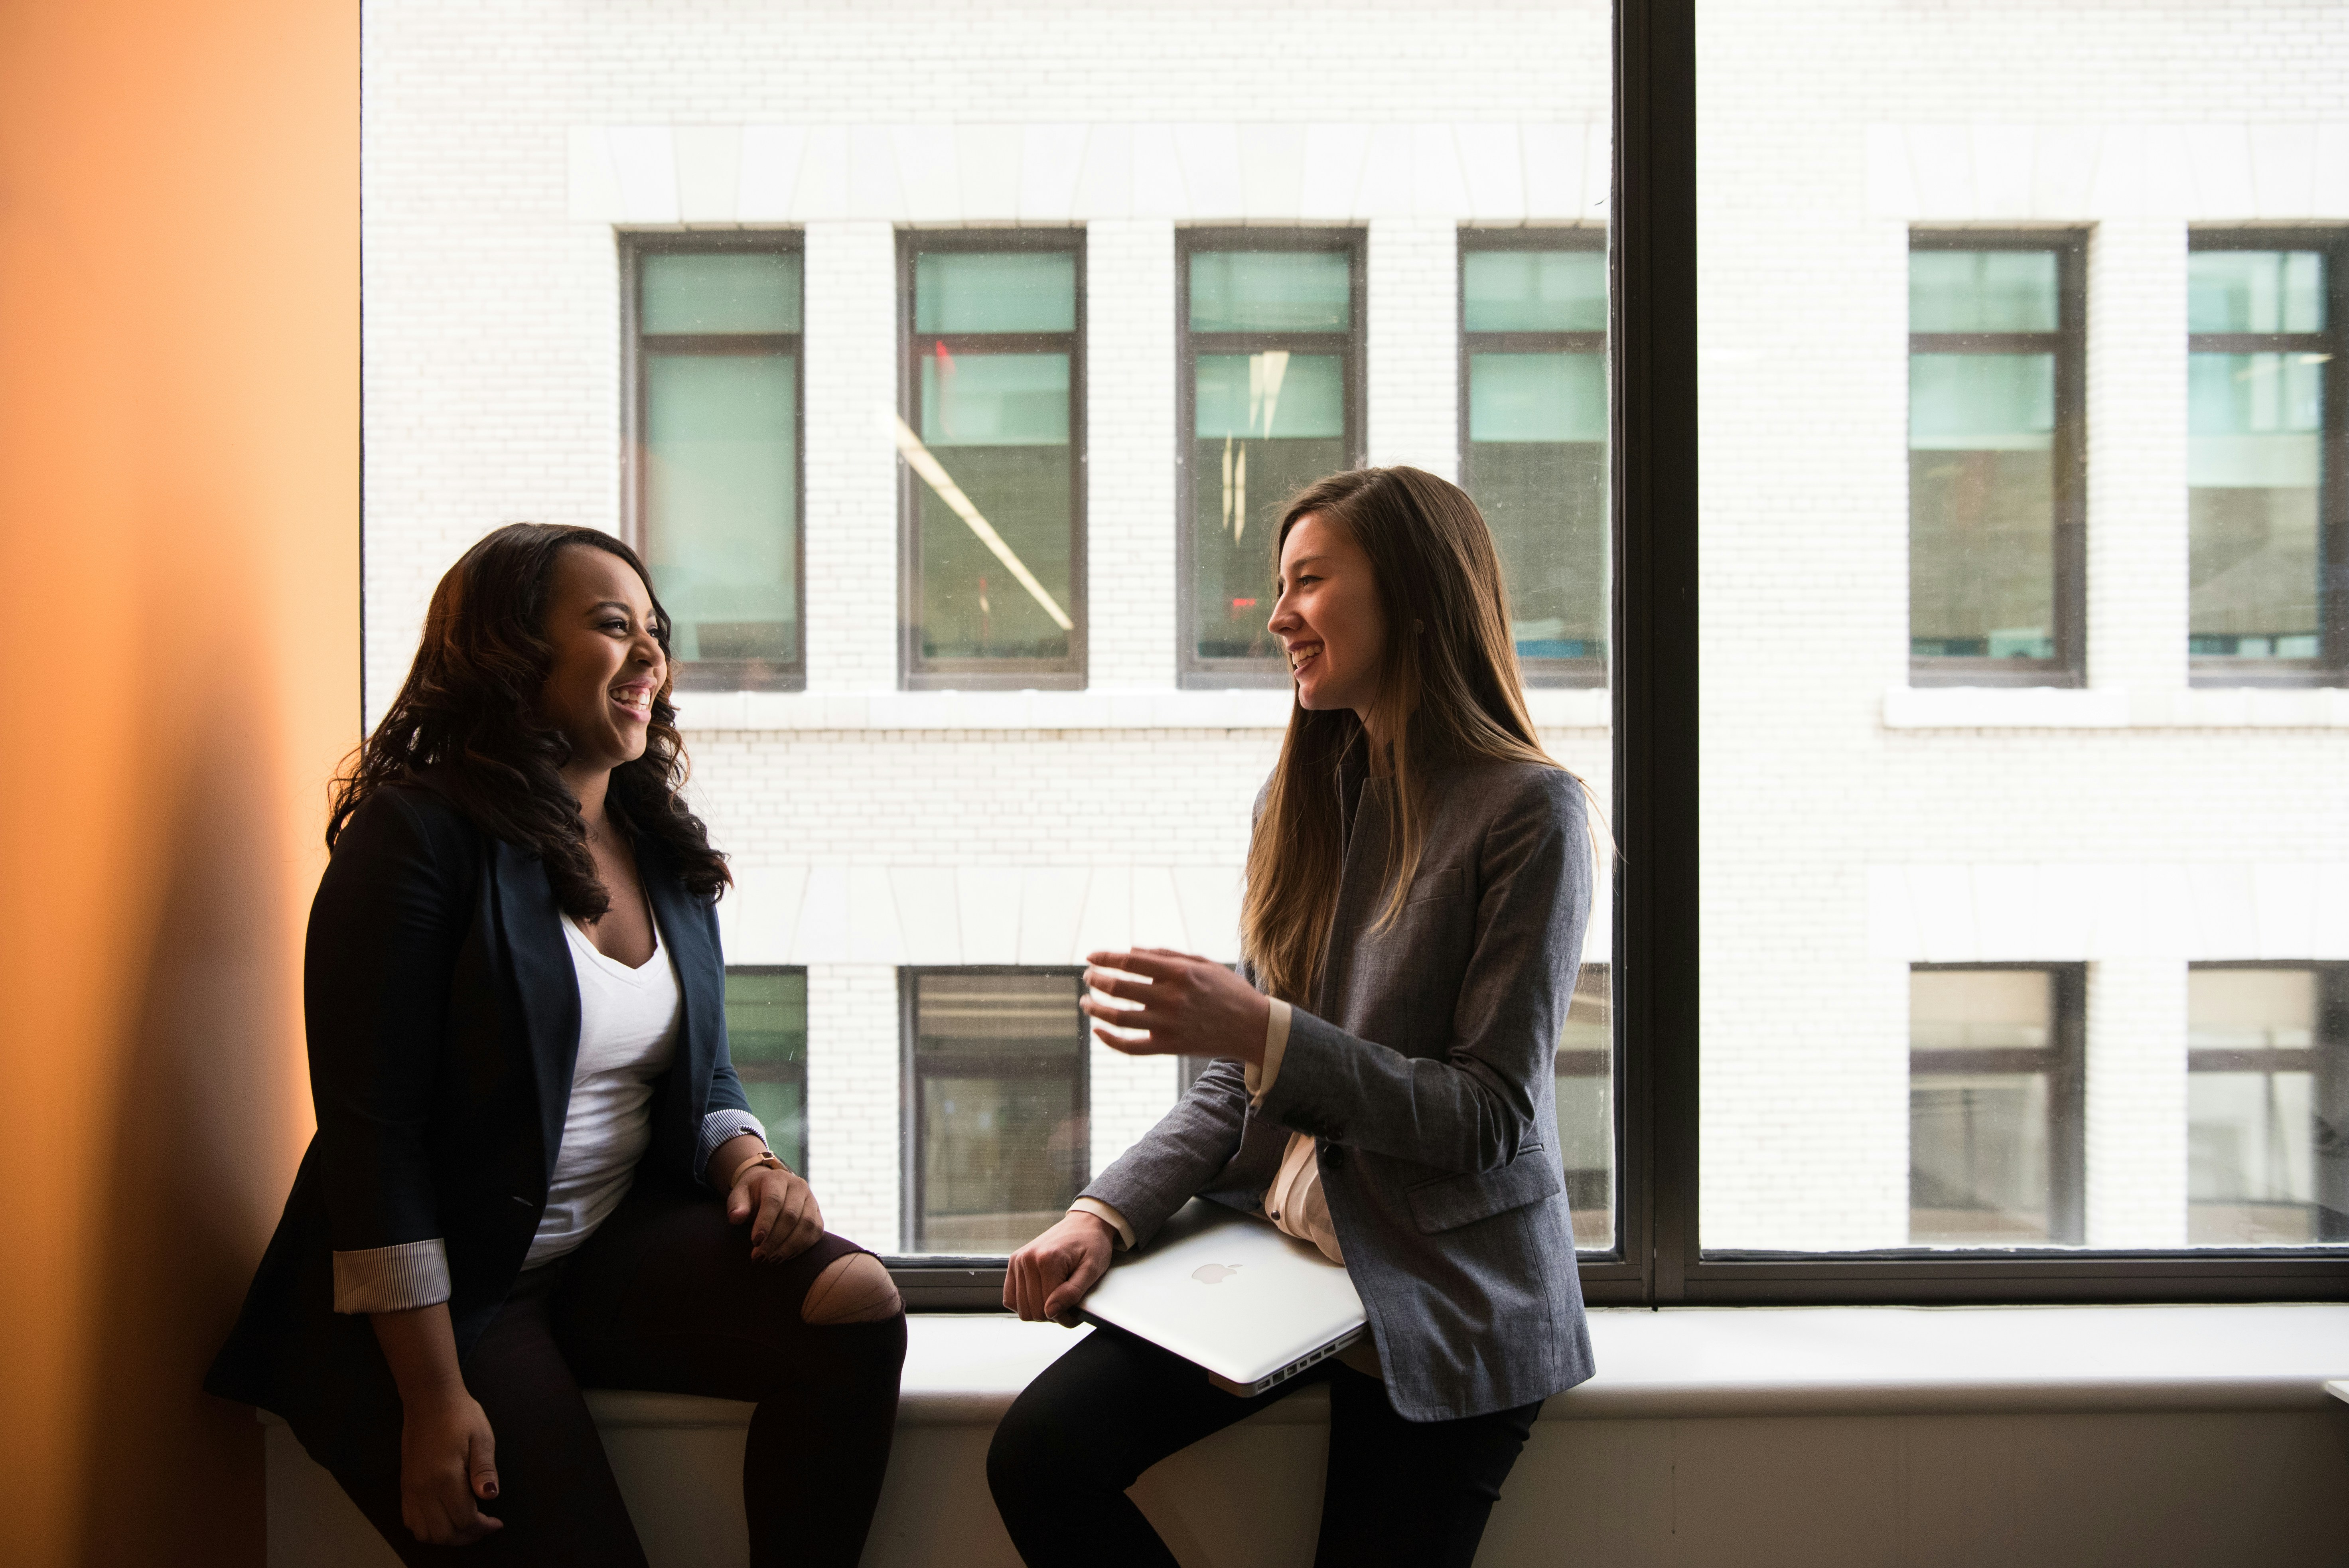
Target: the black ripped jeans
(1402, 1493)
(663, 1296)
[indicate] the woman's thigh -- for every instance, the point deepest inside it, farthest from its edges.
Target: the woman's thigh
(1109, 1408)
(1411, 1492)
(666, 1296)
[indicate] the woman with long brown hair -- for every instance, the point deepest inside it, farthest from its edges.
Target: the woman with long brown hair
(533, 1153)
(1418, 883)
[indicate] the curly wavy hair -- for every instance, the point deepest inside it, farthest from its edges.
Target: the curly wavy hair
(467, 722)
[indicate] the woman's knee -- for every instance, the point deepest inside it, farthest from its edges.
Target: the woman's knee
(853, 1289)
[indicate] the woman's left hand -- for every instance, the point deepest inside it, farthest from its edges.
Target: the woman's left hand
(1189, 1005)
(781, 1209)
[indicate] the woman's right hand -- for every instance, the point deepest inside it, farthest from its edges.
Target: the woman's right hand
(448, 1460)
(1050, 1276)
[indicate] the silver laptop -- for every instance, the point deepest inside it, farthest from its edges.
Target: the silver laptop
(1228, 1290)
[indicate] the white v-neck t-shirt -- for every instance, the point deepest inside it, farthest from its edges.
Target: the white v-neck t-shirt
(627, 1036)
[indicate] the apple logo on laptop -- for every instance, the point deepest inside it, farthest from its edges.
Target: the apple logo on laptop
(1215, 1274)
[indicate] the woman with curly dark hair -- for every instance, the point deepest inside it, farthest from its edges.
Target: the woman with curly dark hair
(533, 1149)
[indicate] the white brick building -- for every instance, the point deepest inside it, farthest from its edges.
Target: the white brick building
(1855, 824)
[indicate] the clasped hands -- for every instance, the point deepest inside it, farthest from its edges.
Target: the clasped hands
(1150, 1002)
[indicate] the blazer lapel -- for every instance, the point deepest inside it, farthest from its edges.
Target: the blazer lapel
(700, 984)
(546, 986)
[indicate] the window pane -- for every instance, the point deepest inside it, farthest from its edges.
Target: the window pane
(1534, 291)
(720, 508)
(1981, 501)
(2268, 1161)
(1982, 290)
(1586, 1108)
(1000, 1139)
(766, 1033)
(720, 292)
(1537, 467)
(1266, 425)
(993, 291)
(2255, 290)
(2253, 459)
(1981, 1111)
(1271, 291)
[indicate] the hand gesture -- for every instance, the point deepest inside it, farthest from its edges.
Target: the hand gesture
(447, 1459)
(1050, 1276)
(781, 1209)
(1183, 1006)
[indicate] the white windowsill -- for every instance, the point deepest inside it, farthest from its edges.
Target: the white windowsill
(2114, 707)
(1748, 1361)
(1158, 708)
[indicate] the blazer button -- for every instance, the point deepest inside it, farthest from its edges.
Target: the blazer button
(1333, 1157)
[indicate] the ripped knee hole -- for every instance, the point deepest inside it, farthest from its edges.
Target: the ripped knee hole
(854, 1289)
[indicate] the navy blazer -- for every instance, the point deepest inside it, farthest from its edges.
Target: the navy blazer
(442, 1015)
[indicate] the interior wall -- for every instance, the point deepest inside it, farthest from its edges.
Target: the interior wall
(179, 483)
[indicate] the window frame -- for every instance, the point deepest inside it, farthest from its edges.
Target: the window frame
(1194, 673)
(2331, 667)
(2332, 1030)
(916, 672)
(1584, 673)
(2068, 343)
(943, 1265)
(2064, 1060)
(807, 1150)
(715, 675)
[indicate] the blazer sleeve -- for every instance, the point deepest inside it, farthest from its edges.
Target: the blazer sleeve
(726, 1112)
(1181, 1156)
(1470, 1109)
(382, 948)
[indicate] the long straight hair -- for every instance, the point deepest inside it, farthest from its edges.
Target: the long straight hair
(1448, 692)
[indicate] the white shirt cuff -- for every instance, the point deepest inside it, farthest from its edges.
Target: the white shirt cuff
(1107, 1216)
(392, 1279)
(717, 1127)
(1276, 1046)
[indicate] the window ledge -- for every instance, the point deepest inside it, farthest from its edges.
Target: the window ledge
(1153, 709)
(2114, 707)
(1745, 1361)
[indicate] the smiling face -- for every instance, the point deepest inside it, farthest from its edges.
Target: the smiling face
(608, 665)
(1329, 617)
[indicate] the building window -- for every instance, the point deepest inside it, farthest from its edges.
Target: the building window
(1994, 1106)
(1533, 439)
(992, 432)
(995, 1096)
(1586, 1109)
(1271, 366)
(2267, 483)
(766, 1033)
(2267, 1098)
(714, 418)
(1995, 488)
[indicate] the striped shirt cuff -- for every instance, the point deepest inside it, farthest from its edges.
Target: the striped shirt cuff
(717, 1127)
(392, 1279)
(1276, 1046)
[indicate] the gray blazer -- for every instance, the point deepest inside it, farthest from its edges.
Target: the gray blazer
(1424, 1071)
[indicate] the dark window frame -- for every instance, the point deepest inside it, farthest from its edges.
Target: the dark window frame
(2331, 667)
(936, 1271)
(715, 675)
(2064, 1060)
(1571, 673)
(1194, 673)
(741, 1070)
(1657, 963)
(916, 672)
(2068, 342)
(2329, 1067)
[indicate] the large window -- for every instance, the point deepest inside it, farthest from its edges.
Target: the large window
(766, 1033)
(2267, 1104)
(1995, 494)
(1586, 1109)
(1271, 364)
(996, 1142)
(2267, 496)
(992, 436)
(1994, 1107)
(1533, 445)
(715, 415)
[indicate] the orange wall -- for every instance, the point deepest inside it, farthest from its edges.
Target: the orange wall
(179, 551)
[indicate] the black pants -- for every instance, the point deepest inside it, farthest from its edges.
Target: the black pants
(664, 1296)
(1404, 1492)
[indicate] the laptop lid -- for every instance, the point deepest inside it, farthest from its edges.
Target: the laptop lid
(1228, 1290)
